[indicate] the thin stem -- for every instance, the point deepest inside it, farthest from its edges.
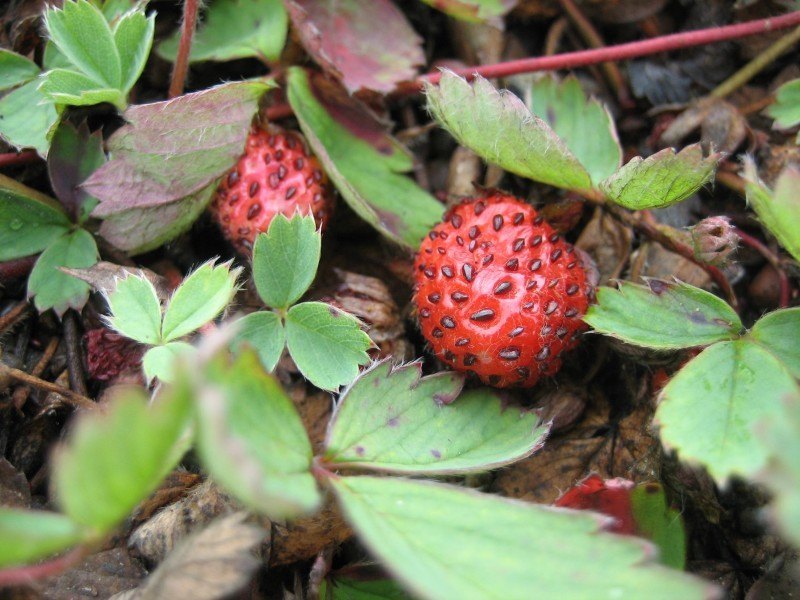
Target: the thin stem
(755, 66)
(636, 49)
(41, 384)
(28, 573)
(190, 9)
(72, 341)
(774, 260)
(13, 315)
(18, 158)
(22, 392)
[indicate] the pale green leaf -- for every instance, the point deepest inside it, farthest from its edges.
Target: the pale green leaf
(707, 411)
(661, 179)
(444, 542)
(779, 332)
(778, 210)
(235, 29)
(663, 315)
(659, 523)
(51, 288)
(473, 11)
(285, 259)
(355, 589)
(65, 86)
(82, 34)
(499, 128)
(15, 69)
(202, 296)
(786, 109)
(133, 37)
(326, 344)
(583, 124)
(381, 195)
(391, 420)
(136, 310)
(262, 331)
(26, 117)
(251, 439)
(115, 458)
(28, 535)
(161, 361)
(29, 221)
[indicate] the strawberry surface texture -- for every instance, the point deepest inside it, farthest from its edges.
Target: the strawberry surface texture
(498, 292)
(276, 175)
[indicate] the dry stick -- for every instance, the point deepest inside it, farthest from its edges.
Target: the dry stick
(190, 8)
(77, 378)
(554, 35)
(23, 377)
(593, 38)
(637, 49)
(18, 158)
(22, 392)
(13, 315)
(774, 260)
(755, 66)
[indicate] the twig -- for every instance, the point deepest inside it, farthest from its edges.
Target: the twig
(18, 158)
(28, 573)
(77, 378)
(22, 392)
(554, 35)
(774, 260)
(13, 315)
(636, 49)
(755, 66)
(593, 38)
(190, 8)
(23, 377)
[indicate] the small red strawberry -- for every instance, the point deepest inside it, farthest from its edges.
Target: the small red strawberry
(108, 354)
(498, 292)
(276, 174)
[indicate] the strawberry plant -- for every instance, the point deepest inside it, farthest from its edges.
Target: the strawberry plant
(546, 345)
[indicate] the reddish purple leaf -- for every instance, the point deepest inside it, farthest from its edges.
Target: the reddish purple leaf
(368, 44)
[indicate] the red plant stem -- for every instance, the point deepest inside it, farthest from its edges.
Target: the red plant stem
(18, 158)
(773, 259)
(28, 573)
(664, 43)
(190, 8)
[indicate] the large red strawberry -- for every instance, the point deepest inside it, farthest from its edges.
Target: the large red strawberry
(498, 292)
(276, 174)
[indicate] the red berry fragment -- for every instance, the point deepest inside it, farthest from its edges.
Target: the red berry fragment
(275, 175)
(611, 497)
(498, 292)
(110, 354)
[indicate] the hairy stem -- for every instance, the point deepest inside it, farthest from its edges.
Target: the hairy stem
(775, 261)
(190, 9)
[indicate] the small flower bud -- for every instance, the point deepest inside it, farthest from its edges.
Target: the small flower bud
(714, 240)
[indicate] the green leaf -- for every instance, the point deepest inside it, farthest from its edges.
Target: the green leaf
(113, 460)
(143, 229)
(381, 195)
(74, 155)
(15, 69)
(391, 420)
(51, 288)
(251, 439)
(778, 210)
(781, 436)
(262, 331)
(161, 361)
(135, 310)
(29, 221)
(786, 109)
(170, 150)
(65, 86)
(474, 11)
(28, 535)
(583, 124)
(661, 179)
(355, 589)
(708, 410)
(199, 299)
(235, 29)
(663, 315)
(498, 127)
(659, 523)
(82, 34)
(779, 332)
(326, 344)
(285, 259)
(444, 542)
(26, 117)
(133, 37)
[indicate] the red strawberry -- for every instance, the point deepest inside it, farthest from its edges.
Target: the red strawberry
(109, 354)
(276, 174)
(499, 293)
